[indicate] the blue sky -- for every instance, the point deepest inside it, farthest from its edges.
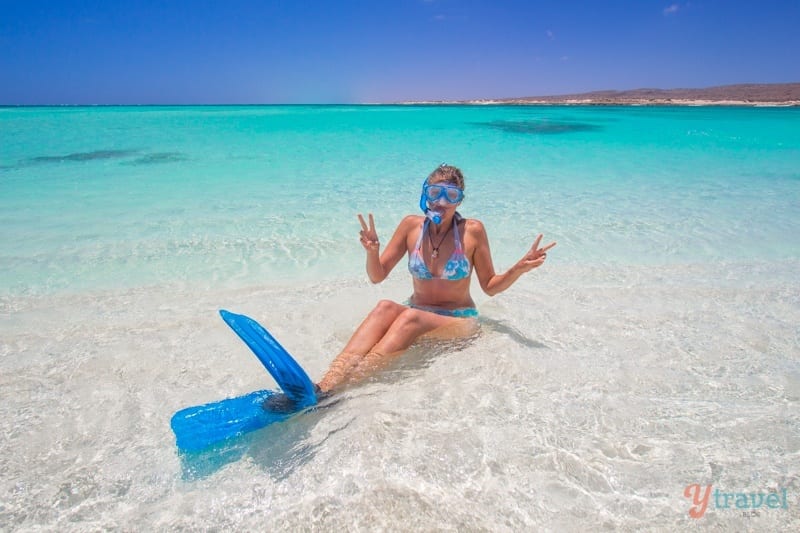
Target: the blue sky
(304, 51)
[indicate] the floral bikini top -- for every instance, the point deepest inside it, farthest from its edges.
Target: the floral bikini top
(457, 266)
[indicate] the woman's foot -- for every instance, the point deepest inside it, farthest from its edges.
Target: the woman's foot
(281, 403)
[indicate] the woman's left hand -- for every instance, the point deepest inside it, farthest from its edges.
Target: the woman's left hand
(535, 256)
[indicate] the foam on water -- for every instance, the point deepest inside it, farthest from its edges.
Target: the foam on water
(658, 347)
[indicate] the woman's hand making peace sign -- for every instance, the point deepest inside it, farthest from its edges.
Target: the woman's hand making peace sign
(535, 256)
(369, 237)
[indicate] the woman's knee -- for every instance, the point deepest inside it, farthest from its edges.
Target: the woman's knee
(409, 319)
(387, 308)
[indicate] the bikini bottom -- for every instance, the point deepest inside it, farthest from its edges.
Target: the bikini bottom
(463, 312)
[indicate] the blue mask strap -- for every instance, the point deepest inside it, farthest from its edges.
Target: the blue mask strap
(423, 204)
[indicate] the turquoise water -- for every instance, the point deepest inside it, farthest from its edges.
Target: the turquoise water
(108, 197)
(657, 348)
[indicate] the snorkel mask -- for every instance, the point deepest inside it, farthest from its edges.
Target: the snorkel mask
(432, 193)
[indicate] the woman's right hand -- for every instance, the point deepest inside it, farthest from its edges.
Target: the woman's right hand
(369, 237)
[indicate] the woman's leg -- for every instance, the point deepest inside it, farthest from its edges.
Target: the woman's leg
(371, 330)
(374, 327)
(407, 327)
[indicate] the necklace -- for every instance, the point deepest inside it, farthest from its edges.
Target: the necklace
(435, 252)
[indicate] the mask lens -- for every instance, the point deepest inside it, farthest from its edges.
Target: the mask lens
(433, 192)
(453, 195)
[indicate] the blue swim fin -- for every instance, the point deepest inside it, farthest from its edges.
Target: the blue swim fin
(291, 378)
(200, 427)
(197, 428)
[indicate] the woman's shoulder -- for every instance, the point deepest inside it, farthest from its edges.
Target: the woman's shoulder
(412, 220)
(474, 225)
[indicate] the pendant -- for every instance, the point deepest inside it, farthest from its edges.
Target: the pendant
(435, 253)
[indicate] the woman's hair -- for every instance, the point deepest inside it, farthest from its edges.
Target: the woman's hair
(447, 174)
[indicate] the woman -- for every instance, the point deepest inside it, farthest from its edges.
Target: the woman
(443, 249)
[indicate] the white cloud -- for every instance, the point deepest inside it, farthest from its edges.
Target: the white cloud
(672, 9)
(550, 34)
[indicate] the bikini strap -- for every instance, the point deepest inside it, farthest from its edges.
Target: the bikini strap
(456, 219)
(418, 247)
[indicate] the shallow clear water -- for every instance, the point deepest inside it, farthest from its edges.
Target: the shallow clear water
(658, 347)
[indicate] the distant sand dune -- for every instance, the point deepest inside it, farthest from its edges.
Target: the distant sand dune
(776, 94)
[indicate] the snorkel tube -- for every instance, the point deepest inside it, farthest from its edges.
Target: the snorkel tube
(435, 216)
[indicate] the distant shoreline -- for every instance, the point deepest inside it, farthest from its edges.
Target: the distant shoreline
(745, 95)
(742, 95)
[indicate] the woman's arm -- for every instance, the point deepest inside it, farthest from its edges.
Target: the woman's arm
(379, 265)
(493, 283)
